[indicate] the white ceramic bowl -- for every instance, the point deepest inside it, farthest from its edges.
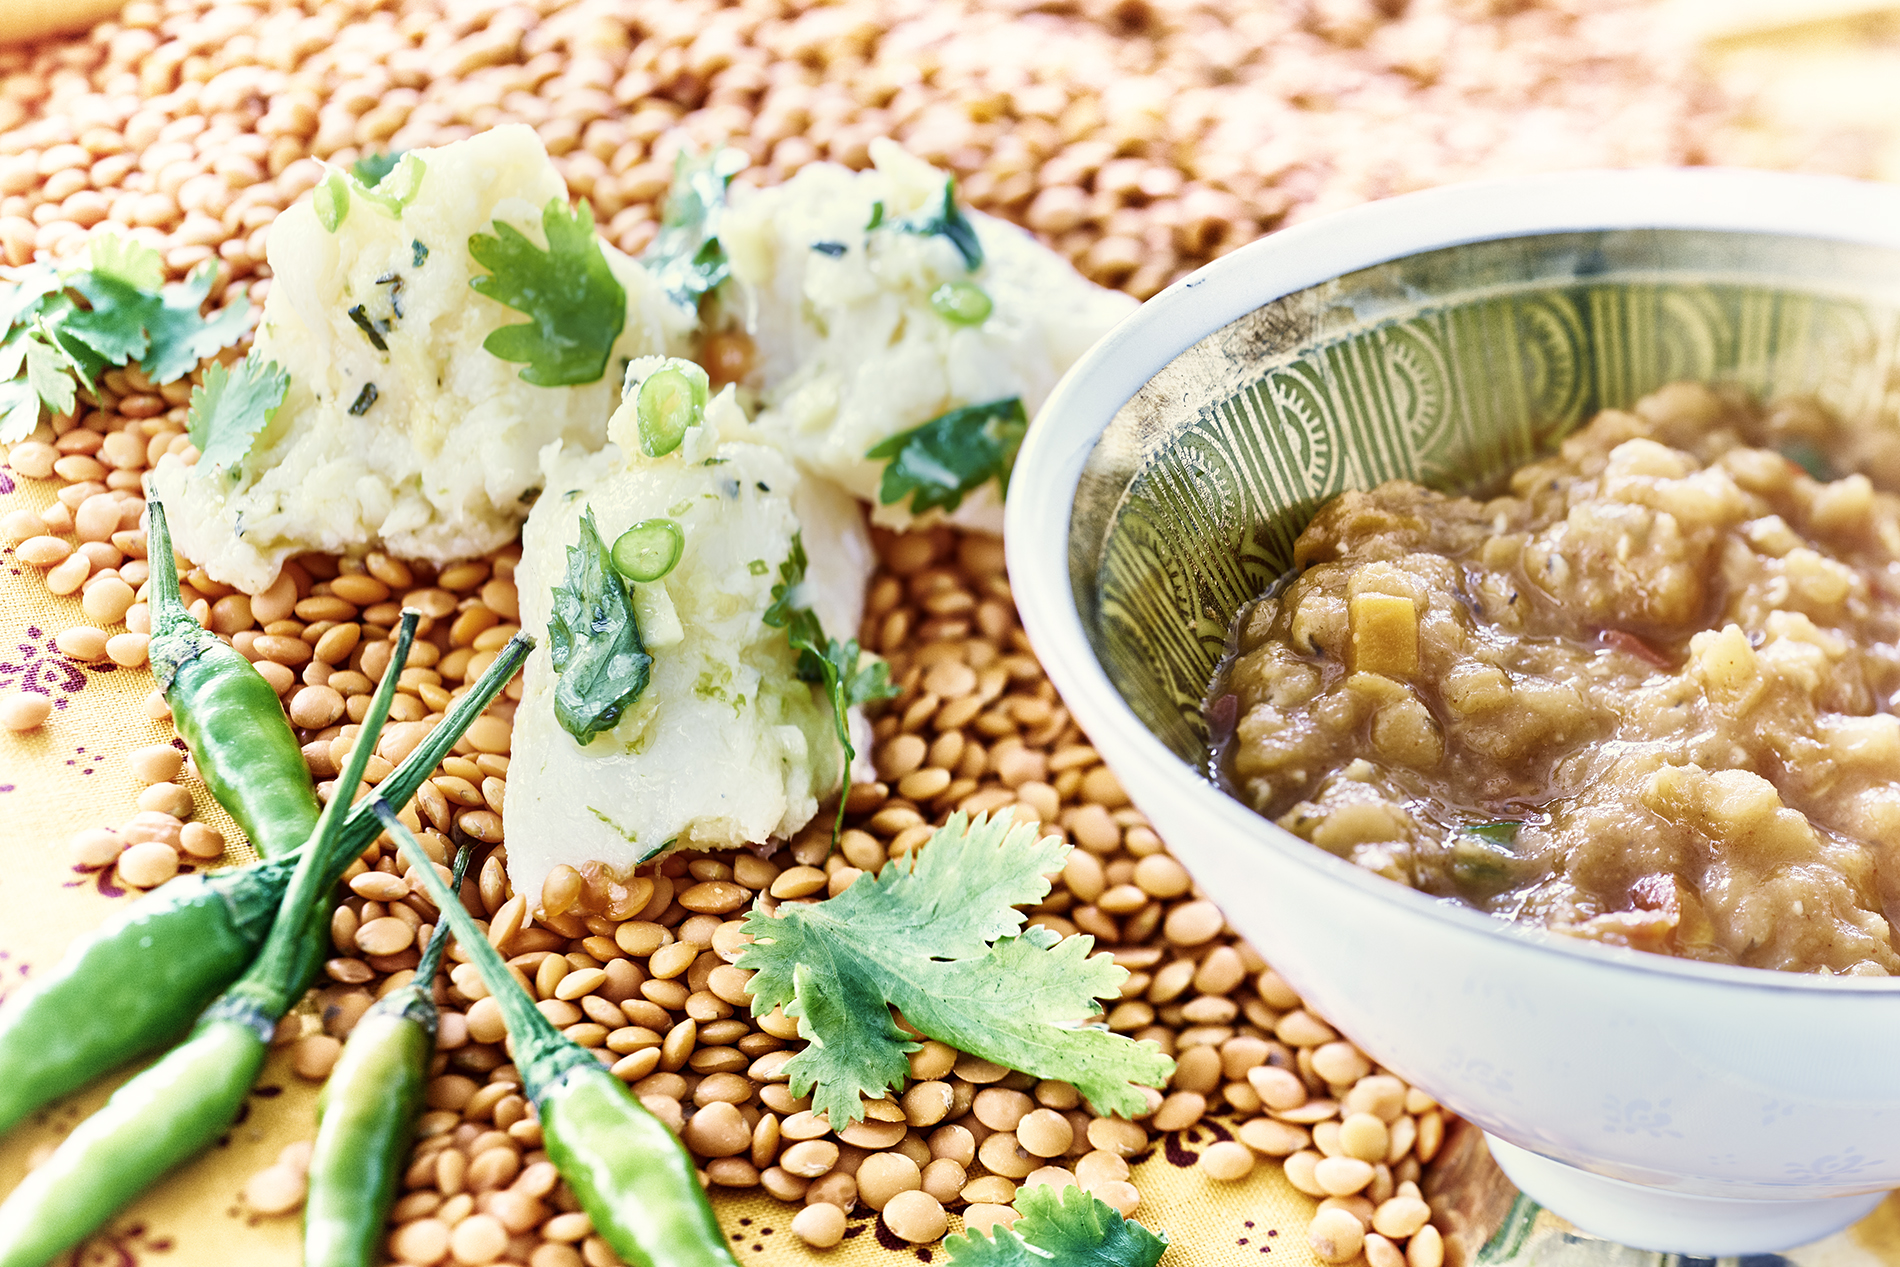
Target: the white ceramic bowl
(1663, 1103)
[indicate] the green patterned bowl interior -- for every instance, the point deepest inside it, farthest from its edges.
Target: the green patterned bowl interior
(1450, 368)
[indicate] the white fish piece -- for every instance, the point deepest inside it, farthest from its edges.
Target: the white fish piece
(441, 463)
(726, 746)
(850, 351)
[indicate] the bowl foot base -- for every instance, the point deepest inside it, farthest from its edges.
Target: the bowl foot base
(1675, 1222)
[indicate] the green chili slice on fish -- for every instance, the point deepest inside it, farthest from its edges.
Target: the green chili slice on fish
(648, 550)
(671, 399)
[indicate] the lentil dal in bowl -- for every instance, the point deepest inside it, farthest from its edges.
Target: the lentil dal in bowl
(1448, 338)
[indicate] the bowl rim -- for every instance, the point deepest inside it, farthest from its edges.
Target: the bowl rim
(1038, 516)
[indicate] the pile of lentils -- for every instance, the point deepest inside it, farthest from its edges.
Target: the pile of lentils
(1139, 137)
(1140, 140)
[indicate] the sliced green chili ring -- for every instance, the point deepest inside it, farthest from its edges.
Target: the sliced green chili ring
(672, 399)
(331, 201)
(649, 550)
(395, 191)
(962, 303)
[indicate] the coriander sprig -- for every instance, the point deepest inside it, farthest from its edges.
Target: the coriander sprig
(937, 935)
(60, 329)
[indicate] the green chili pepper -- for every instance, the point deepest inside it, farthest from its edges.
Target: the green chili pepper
(628, 1172)
(227, 714)
(161, 961)
(366, 1115)
(648, 550)
(671, 399)
(164, 957)
(331, 201)
(181, 1105)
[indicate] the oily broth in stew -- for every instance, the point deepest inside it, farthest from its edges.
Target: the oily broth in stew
(1646, 696)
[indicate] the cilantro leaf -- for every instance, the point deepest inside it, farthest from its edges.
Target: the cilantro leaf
(180, 337)
(371, 168)
(133, 316)
(948, 220)
(937, 936)
(114, 326)
(80, 358)
(231, 407)
(19, 411)
(29, 286)
(50, 345)
(786, 597)
(953, 454)
(1065, 1226)
(125, 260)
(601, 666)
(48, 375)
(121, 281)
(576, 305)
(686, 255)
(850, 677)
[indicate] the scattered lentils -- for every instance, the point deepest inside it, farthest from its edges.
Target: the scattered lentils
(190, 126)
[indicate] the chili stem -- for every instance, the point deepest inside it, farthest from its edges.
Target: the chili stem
(537, 1042)
(186, 941)
(439, 939)
(171, 1111)
(276, 977)
(630, 1174)
(361, 826)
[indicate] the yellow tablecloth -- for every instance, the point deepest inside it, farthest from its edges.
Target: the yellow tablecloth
(1818, 73)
